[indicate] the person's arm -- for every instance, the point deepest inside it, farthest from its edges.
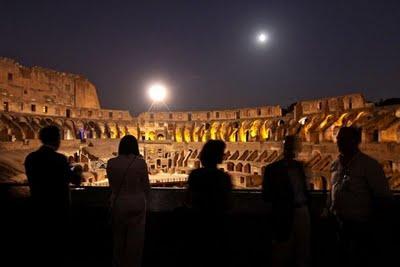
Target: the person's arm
(379, 187)
(69, 175)
(228, 192)
(266, 185)
(189, 194)
(146, 181)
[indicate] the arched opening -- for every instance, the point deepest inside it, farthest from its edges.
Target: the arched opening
(239, 167)
(262, 171)
(230, 166)
(375, 136)
(247, 168)
(160, 137)
(27, 129)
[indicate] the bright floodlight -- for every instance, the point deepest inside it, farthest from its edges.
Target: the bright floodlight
(157, 92)
(262, 38)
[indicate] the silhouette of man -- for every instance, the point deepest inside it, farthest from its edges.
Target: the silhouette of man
(210, 198)
(285, 187)
(360, 190)
(49, 175)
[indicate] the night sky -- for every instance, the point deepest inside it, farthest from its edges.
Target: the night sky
(205, 51)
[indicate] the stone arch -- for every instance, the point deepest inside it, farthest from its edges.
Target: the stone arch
(230, 166)
(187, 133)
(244, 131)
(225, 131)
(160, 137)
(235, 155)
(234, 135)
(178, 134)
(69, 130)
(150, 136)
(94, 130)
(314, 159)
(255, 130)
(197, 132)
(80, 129)
(104, 130)
(112, 130)
(239, 167)
(29, 132)
(205, 135)
(267, 130)
(35, 123)
(11, 130)
(215, 130)
(247, 168)
(132, 129)
(122, 131)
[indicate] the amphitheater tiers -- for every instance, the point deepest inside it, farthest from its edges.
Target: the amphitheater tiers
(33, 97)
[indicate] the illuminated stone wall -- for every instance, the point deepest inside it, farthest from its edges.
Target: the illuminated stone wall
(172, 141)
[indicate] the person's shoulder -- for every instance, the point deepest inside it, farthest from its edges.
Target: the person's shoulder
(34, 155)
(140, 159)
(196, 172)
(31, 156)
(111, 161)
(60, 155)
(335, 164)
(368, 161)
(274, 165)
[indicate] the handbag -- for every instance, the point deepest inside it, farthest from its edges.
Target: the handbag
(114, 199)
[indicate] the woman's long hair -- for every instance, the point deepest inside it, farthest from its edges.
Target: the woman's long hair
(128, 145)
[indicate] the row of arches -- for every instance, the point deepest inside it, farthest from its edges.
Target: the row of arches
(233, 131)
(18, 128)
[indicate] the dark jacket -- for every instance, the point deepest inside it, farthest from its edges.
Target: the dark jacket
(49, 175)
(209, 190)
(277, 190)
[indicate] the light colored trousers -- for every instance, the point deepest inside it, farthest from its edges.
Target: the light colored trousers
(295, 251)
(129, 220)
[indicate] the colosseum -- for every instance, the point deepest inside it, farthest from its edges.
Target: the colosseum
(33, 97)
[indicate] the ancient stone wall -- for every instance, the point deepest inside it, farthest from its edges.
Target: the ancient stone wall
(38, 85)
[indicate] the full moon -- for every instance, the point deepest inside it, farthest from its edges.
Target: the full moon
(262, 37)
(157, 92)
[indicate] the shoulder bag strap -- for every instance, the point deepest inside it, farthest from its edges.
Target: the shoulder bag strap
(122, 182)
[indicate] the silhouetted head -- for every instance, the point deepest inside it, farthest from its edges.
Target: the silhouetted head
(128, 145)
(290, 145)
(212, 153)
(348, 140)
(50, 136)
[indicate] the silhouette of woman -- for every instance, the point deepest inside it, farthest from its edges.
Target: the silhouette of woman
(129, 182)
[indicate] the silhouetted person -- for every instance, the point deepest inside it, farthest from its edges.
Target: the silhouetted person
(49, 176)
(209, 196)
(129, 181)
(360, 194)
(285, 187)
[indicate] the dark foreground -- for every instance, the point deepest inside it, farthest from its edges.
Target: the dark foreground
(167, 229)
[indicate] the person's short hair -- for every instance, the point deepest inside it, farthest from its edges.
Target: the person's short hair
(212, 153)
(353, 132)
(128, 145)
(50, 135)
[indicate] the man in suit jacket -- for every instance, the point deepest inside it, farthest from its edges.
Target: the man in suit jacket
(49, 176)
(285, 188)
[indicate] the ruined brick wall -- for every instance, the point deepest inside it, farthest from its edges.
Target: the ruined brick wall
(40, 85)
